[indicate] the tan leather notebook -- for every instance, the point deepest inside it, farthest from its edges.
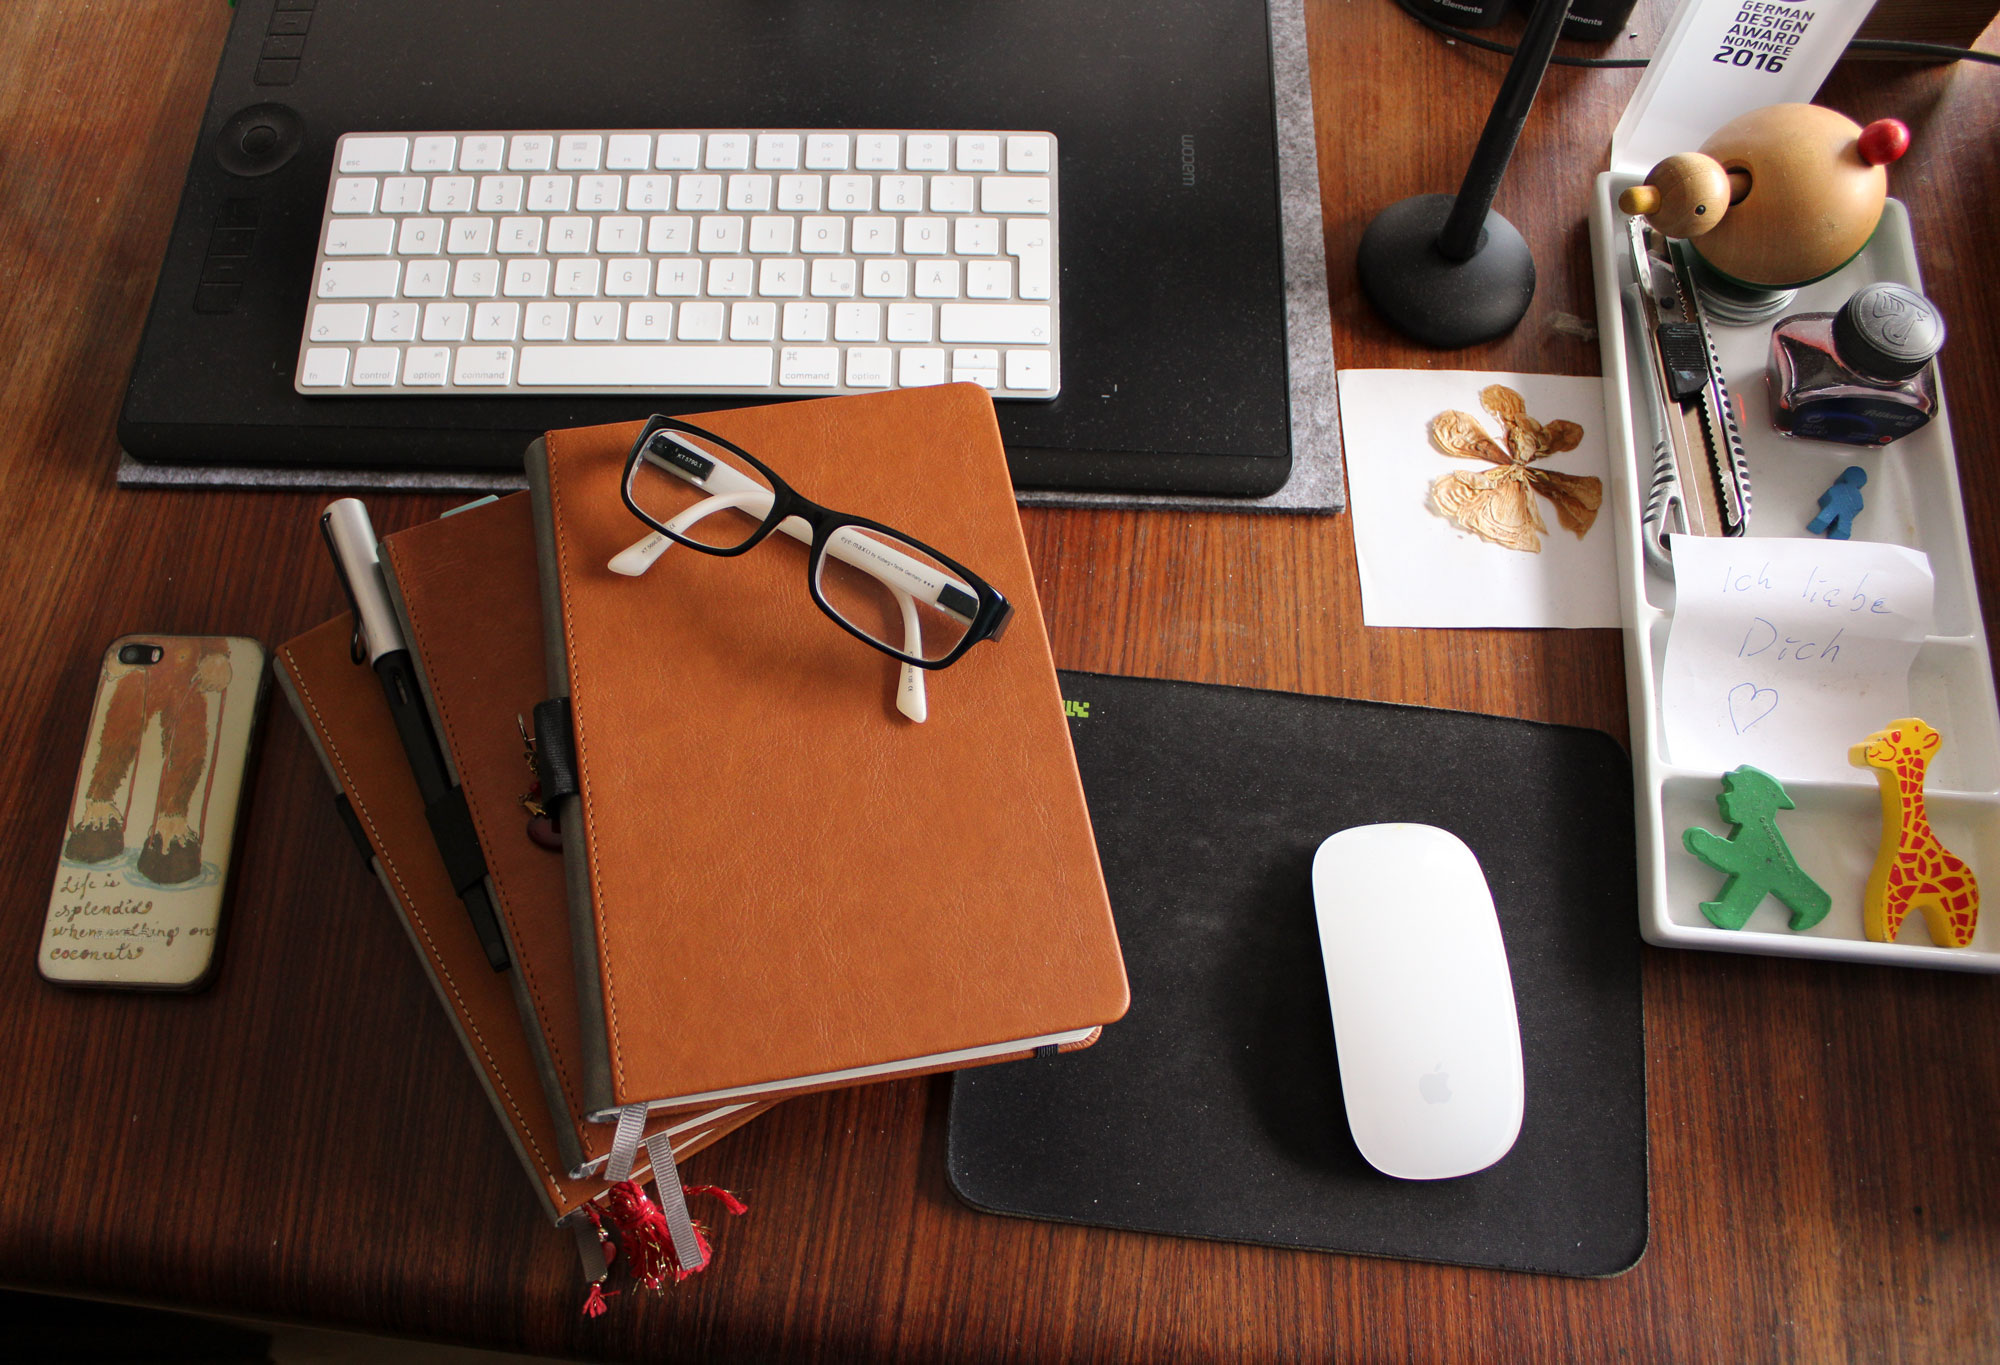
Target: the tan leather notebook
(342, 708)
(466, 591)
(782, 882)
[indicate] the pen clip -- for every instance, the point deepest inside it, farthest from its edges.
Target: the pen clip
(357, 645)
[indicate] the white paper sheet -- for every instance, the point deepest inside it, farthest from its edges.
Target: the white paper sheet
(1783, 653)
(1419, 569)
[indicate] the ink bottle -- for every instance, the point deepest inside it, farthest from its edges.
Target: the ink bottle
(1864, 376)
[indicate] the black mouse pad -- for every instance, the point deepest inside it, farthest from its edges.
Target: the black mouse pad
(1213, 1109)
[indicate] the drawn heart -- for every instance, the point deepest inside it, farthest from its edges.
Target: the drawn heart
(1749, 703)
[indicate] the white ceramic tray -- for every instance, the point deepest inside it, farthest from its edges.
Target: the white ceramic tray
(1912, 499)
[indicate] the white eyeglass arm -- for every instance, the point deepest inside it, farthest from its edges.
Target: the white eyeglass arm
(635, 559)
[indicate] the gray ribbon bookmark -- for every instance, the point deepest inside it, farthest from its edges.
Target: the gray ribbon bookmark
(625, 1145)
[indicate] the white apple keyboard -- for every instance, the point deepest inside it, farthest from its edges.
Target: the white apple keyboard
(1423, 1003)
(732, 261)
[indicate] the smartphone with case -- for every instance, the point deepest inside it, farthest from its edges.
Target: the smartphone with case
(143, 875)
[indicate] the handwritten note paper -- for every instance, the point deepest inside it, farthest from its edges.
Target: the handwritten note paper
(1785, 652)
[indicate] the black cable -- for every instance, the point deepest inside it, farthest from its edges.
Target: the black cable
(1894, 47)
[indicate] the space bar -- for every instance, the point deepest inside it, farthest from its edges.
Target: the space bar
(640, 367)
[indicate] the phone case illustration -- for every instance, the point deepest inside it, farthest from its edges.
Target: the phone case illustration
(146, 850)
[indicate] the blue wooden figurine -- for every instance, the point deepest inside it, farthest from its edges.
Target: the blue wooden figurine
(1840, 504)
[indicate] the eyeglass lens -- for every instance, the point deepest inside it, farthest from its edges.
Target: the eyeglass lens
(894, 592)
(699, 490)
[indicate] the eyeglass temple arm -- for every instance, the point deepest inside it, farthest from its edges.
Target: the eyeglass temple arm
(911, 698)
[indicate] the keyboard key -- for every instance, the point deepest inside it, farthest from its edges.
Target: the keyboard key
(805, 322)
(728, 152)
(1006, 323)
(500, 193)
(649, 322)
(518, 236)
(1028, 240)
(975, 236)
(927, 152)
(427, 366)
(822, 235)
(753, 322)
(989, 279)
(530, 152)
(1027, 152)
(701, 321)
(338, 322)
(550, 193)
(951, 194)
(324, 367)
(1014, 194)
(1027, 370)
(878, 152)
(926, 236)
(496, 321)
(678, 152)
(833, 279)
(483, 366)
(628, 152)
(690, 367)
(781, 278)
(366, 155)
(358, 279)
(810, 367)
(469, 236)
(919, 366)
(568, 235)
(772, 234)
(425, 279)
(395, 321)
(777, 151)
(850, 193)
(360, 236)
(431, 155)
(598, 321)
(579, 152)
(628, 277)
(403, 194)
(939, 280)
(748, 193)
(698, 193)
(870, 367)
(375, 366)
(649, 192)
(446, 321)
(978, 152)
(422, 236)
(857, 322)
(910, 321)
(599, 193)
(885, 280)
(546, 322)
(481, 154)
(354, 194)
(719, 234)
(526, 279)
(477, 279)
(451, 194)
(826, 152)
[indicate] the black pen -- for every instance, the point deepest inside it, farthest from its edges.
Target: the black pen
(378, 640)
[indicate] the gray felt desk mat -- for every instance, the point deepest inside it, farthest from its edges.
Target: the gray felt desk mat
(1316, 483)
(1213, 1109)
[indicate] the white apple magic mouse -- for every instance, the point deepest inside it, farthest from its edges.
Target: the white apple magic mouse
(1423, 1005)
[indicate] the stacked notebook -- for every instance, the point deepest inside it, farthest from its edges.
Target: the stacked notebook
(770, 881)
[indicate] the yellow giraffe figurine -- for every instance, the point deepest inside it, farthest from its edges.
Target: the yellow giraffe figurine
(1912, 869)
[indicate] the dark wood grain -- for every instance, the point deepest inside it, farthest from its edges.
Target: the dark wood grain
(304, 1140)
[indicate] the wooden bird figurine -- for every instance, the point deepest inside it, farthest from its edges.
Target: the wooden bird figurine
(1778, 198)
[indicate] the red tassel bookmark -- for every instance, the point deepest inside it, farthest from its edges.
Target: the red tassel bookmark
(648, 1243)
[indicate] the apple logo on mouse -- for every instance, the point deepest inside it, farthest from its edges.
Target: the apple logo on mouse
(1435, 1086)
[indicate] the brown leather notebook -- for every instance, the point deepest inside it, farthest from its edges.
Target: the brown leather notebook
(466, 592)
(344, 713)
(781, 882)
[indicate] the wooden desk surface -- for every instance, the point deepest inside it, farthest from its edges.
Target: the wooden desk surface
(305, 1141)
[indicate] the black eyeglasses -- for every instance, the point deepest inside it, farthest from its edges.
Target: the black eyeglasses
(893, 592)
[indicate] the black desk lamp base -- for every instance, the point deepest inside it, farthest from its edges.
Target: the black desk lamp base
(1432, 299)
